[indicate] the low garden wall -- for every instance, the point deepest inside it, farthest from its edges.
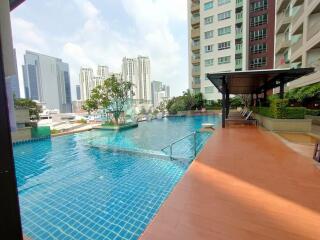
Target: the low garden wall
(289, 125)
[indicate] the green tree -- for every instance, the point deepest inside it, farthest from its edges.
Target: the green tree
(189, 100)
(113, 95)
(34, 109)
(90, 105)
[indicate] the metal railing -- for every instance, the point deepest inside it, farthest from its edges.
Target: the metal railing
(170, 146)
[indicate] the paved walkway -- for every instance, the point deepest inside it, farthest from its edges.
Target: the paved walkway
(245, 184)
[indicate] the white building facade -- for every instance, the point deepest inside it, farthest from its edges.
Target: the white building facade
(217, 41)
(47, 80)
(137, 71)
(86, 82)
(160, 93)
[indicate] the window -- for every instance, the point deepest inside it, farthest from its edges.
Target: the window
(258, 35)
(224, 15)
(208, 5)
(223, 45)
(208, 34)
(208, 48)
(224, 60)
(223, 2)
(258, 62)
(208, 20)
(258, 20)
(224, 30)
(208, 62)
(259, 6)
(258, 48)
(208, 90)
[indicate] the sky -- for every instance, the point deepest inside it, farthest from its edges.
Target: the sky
(101, 32)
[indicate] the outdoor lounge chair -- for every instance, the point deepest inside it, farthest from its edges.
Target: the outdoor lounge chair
(247, 120)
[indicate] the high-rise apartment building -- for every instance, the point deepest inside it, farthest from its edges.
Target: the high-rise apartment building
(103, 71)
(14, 78)
(160, 92)
(47, 80)
(78, 92)
(298, 38)
(217, 41)
(137, 71)
(261, 34)
(86, 82)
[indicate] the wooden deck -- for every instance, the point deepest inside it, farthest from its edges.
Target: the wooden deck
(245, 184)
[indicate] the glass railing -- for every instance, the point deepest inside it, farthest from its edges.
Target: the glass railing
(238, 63)
(239, 17)
(239, 3)
(238, 48)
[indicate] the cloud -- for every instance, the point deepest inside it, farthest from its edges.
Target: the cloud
(95, 39)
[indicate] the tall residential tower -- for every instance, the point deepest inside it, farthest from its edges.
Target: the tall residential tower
(137, 71)
(47, 80)
(217, 41)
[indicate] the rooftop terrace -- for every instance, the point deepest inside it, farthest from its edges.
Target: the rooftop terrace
(245, 184)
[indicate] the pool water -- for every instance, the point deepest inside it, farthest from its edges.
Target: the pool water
(69, 190)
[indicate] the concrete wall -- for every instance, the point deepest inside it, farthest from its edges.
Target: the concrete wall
(21, 134)
(22, 115)
(288, 125)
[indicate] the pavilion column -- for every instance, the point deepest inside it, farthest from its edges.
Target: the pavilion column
(227, 102)
(9, 207)
(224, 103)
(265, 95)
(281, 89)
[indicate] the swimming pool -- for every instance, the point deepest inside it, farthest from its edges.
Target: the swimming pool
(69, 190)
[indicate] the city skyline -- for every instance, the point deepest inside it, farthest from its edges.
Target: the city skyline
(79, 37)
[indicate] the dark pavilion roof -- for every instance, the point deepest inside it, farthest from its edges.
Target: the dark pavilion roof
(15, 3)
(247, 82)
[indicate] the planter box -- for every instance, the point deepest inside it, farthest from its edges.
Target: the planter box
(288, 125)
(315, 119)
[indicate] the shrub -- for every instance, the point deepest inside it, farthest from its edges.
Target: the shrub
(312, 112)
(277, 107)
(294, 112)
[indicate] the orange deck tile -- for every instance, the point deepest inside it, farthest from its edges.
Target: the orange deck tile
(245, 184)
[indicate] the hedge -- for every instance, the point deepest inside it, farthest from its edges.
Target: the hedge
(282, 113)
(313, 112)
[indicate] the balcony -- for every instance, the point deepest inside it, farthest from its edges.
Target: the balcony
(196, 84)
(239, 34)
(196, 72)
(195, 33)
(239, 17)
(238, 48)
(195, 20)
(283, 22)
(196, 60)
(238, 63)
(195, 47)
(313, 29)
(282, 43)
(296, 49)
(195, 7)
(282, 5)
(239, 3)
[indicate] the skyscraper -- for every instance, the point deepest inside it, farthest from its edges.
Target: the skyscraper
(137, 71)
(47, 80)
(15, 79)
(78, 92)
(160, 92)
(86, 82)
(217, 41)
(103, 71)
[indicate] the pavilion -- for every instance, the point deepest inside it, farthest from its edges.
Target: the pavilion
(254, 83)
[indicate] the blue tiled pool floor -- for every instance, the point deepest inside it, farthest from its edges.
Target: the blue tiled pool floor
(107, 196)
(69, 190)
